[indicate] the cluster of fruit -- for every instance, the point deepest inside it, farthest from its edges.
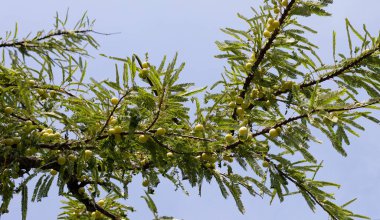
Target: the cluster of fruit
(48, 134)
(273, 24)
(144, 71)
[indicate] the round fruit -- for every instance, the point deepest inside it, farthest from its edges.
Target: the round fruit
(243, 131)
(267, 33)
(53, 172)
(276, 10)
(239, 111)
(276, 24)
(273, 133)
(111, 131)
(229, 138)
(279, 130)
(100, 202)
(239, 100)
(112, 121)
(61, 160)
(145, 65)
(81, 190)
(143, 138)
(28, 123)
(87, 154)
(161, 131)
(145, 183)
(114, 101)
(270, 28)
(169, 154)
(270, 21)
(31, 82)
(284, 3)
(8, 110)
(118, 130)
(72, 157)
(198, 128)
(49, 131)
(143, 73)
(248, 66)
(41, 92)
(265, 164)
(232, 104)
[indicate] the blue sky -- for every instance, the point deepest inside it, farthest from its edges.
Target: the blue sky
(190, 28)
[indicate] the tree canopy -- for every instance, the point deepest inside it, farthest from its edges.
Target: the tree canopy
(251, 132)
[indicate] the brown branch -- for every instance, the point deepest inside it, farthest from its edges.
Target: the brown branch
(295, 118)
(157, 115)
(53, 34)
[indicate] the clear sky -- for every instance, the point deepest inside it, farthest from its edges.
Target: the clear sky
(190, 28)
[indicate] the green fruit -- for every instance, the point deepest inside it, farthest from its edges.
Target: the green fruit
(81, 190)
(29, 123)
(198, 128)
(284, 3)
(276, 10)
(267, 34)
(8, 110)
(143, 73)
(118, 130)
(114, 101)
(243, 131)
(169, 154)
(273, 133)
(276, 24)
(248, 66)
(279, 130)
(100, 202)
(270, 20)
(111, 131)
(143, 138)
(239, 100)
(72, 157)
(31, 82)
(270, 28)
(265, 164)
(41, 92)
(49, 131)
(229, 138)
(88, 154)
(112, 121)
(61, 160)
(145, 65)
(232, 104)
(239, 111)
(145, 183)
(53, 172)
(161, 131)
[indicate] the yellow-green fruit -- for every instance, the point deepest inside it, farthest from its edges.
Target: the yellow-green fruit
(111, 131)
(239, 111)
(270, 20)
(239, 100)
(232, 104)
(145, 183)
(276, 10)
(276, 24)
(72, 157)
(270, 28)
(96, 214)
(28, 123)
(265, 164)
(284, 3)
(100, 202)
(118, 129)
(267, 33)
(114, 101)
(161, 131)
(49, 131)
(145, 65)
(8, 141)
(143, 73)
(81, 190)
(41, 92)
(229, 138)
(143, 138)
(8, 110)
(169, 154)
(112, 121)
(53, 172)
(198, 128)
(273, 133)
(61, 160)
(243, 131)
(31, 82)
(279, 130)
(248, 66)
(88, 154)
(253, 57)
